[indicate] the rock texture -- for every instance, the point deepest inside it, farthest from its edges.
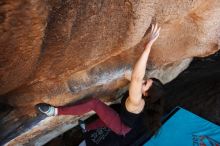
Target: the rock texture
(58, 51)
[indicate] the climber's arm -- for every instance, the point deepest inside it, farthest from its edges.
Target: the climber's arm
(134, 102)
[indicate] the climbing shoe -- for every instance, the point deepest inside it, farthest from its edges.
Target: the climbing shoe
(46, 109)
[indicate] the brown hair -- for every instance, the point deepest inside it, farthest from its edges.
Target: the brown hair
(154, 104)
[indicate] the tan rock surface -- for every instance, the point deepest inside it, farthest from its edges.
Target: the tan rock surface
(61, 51)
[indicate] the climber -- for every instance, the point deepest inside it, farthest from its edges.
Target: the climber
(141, 108)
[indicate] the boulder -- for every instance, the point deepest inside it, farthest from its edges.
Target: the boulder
(59, 52)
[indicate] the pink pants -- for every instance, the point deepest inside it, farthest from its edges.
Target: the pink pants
(108, 117)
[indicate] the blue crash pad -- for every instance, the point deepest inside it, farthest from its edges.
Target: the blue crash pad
(186, 129)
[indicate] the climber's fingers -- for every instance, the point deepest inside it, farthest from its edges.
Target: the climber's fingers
(155, 35)
(155, 28)
(152, 28)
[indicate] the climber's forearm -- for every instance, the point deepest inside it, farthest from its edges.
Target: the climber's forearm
(135, 93)
(140, 67)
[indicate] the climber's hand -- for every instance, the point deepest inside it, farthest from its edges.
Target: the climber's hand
(154, 34)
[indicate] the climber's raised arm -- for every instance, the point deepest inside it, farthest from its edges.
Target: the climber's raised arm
(134, 102)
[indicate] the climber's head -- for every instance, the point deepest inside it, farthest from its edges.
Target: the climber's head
(153, 89)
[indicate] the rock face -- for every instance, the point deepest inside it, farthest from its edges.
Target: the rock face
(61, 51)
